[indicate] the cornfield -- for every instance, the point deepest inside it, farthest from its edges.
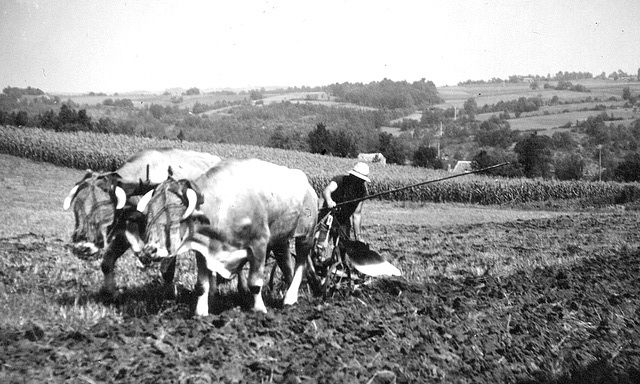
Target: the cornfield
(96, 151)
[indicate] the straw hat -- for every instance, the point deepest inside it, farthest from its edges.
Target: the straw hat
(361, 170)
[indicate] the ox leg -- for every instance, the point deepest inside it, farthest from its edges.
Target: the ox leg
(116, 248)
(303, 247)
(204, 286)
(283, 258)
(243, 286)
(256, 274)
(168, 271)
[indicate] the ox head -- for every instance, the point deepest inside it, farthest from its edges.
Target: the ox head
(166, 209)
(95, 201)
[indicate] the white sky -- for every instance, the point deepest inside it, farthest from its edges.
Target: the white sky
(121, 46)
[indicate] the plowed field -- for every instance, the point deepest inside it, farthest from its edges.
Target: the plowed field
(574, 322)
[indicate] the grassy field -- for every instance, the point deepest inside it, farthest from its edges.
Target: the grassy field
(146, 99)
(547, 124)
(455, 96)
(549, 118)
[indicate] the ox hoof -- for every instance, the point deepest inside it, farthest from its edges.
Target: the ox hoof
(290, 300)
(171, 292)
(262, 309)
(109, 294)
(202, 306)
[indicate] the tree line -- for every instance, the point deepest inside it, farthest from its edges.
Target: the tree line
(346, 132)
(559, 76)
(388, 94)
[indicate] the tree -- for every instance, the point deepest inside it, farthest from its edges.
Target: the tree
(502, 137)
(471, 108)
(563, 140)
(426, 156)
(484, 159)
(156, 111)
(67, 115)
(320, 140)
(495, 132)
(105, 125)
(180, 136)
(21, 119)
(280, 139)
(392, 149)
(570, 167)
(48, 120)
(534, 154)
(345, 144)
(255, 94)
(629, 169)
(84, 119)
(432, 117)
(192, 91)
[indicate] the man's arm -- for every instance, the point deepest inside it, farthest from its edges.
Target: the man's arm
(326, 194)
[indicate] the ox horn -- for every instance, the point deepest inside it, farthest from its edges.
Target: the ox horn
(144, 201)
(192, 199)
(67, 201)
(121, 198)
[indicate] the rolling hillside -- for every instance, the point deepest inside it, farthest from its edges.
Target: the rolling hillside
(548, 119)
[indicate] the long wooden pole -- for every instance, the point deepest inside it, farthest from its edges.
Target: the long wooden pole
(420, 184)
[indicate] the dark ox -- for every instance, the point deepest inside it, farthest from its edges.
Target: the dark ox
(247, 208)
(103, 203)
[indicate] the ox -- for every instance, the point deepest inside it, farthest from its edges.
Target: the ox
(373, 158)
(103, 203)
(247, 208)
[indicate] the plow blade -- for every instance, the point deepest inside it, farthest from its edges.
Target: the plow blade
(369, 262)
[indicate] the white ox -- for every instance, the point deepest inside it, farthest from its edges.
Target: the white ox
(103, 203)
(373, 158)
(248, 207)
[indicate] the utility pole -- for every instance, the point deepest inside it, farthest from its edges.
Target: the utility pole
(439, 139)
(600, 162)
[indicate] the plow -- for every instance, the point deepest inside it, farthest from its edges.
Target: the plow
(336, 262)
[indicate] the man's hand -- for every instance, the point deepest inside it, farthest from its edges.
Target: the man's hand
(331, 203)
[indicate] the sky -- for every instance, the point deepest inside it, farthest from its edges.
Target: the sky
(79, 46)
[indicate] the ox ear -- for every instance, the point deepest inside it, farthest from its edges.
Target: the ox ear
(67, 201)
(144, 201)
(115, 176)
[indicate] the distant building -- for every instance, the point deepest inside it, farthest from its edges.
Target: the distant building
(462, 166)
